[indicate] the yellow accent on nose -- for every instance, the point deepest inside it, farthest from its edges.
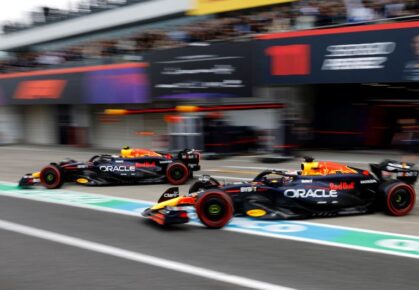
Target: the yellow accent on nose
(170, 202)
(36, 174)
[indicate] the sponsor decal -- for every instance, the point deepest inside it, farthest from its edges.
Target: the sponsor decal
(306, 180)
(306, 193)
(358, 56)
(203, 85)
(248, 189)
(369, 181)
(396, 165)
(216, 69)
(116, 168)
(145, 164)
(407, 174)
(171, 194)
(256, 212)
(166, 162)
(342, 186)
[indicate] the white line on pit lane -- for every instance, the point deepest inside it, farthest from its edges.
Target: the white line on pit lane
(138, 257)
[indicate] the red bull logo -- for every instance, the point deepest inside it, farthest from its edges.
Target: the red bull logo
(342, 186)
(145, 164)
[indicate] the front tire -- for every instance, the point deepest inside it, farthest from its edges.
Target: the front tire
(214, 208)
(177, 173)
(51, 177)
(399, 198)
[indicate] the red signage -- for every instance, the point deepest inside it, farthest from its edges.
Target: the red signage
(288, 60)
(40, 89)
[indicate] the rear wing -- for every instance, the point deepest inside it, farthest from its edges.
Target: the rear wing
(403, 171)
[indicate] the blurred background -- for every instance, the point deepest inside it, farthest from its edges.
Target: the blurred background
(225, 76)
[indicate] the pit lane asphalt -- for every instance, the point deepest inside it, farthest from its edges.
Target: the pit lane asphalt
(31, 263)
(18, 160)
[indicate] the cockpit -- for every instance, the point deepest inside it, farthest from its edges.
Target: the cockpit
(274, 178)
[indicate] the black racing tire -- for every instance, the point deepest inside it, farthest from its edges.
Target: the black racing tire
(199, 185)
(399, 198)
(177, 173)
(214, 208)
(51, 177)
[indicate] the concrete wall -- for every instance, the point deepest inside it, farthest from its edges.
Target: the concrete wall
(10, 125)
(117, 131)
(40, 125)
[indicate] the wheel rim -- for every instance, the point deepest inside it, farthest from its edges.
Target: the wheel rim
(177, 173)
(400, 199)
(50, 178)
(214, 209)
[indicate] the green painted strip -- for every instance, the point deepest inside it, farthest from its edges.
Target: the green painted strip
(357, 239)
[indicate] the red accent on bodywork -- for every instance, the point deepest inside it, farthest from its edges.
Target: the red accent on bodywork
(183, 215)
(186, 200)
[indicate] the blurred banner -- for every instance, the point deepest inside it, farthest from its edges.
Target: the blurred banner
(102, 84)
(214, 71)
(360, 54)
(203, 7)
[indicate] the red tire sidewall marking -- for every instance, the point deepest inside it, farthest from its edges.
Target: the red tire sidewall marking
(228, 207)
(56, 183)
(180, 181)
(406, 210)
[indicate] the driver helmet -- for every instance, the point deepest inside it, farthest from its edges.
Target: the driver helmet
(126, 151)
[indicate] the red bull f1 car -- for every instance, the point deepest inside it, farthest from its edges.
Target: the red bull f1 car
(131, 166)
(319, 189)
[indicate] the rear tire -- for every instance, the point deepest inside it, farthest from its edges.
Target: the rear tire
(214, 208)
(399, 198)
(51, 177)
(177, 173)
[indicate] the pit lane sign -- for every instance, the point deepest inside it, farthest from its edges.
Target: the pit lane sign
(359, 54)
(328, 235)
(208, 72)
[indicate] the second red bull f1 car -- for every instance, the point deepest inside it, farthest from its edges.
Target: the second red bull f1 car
(131, 166)
(319, 189)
